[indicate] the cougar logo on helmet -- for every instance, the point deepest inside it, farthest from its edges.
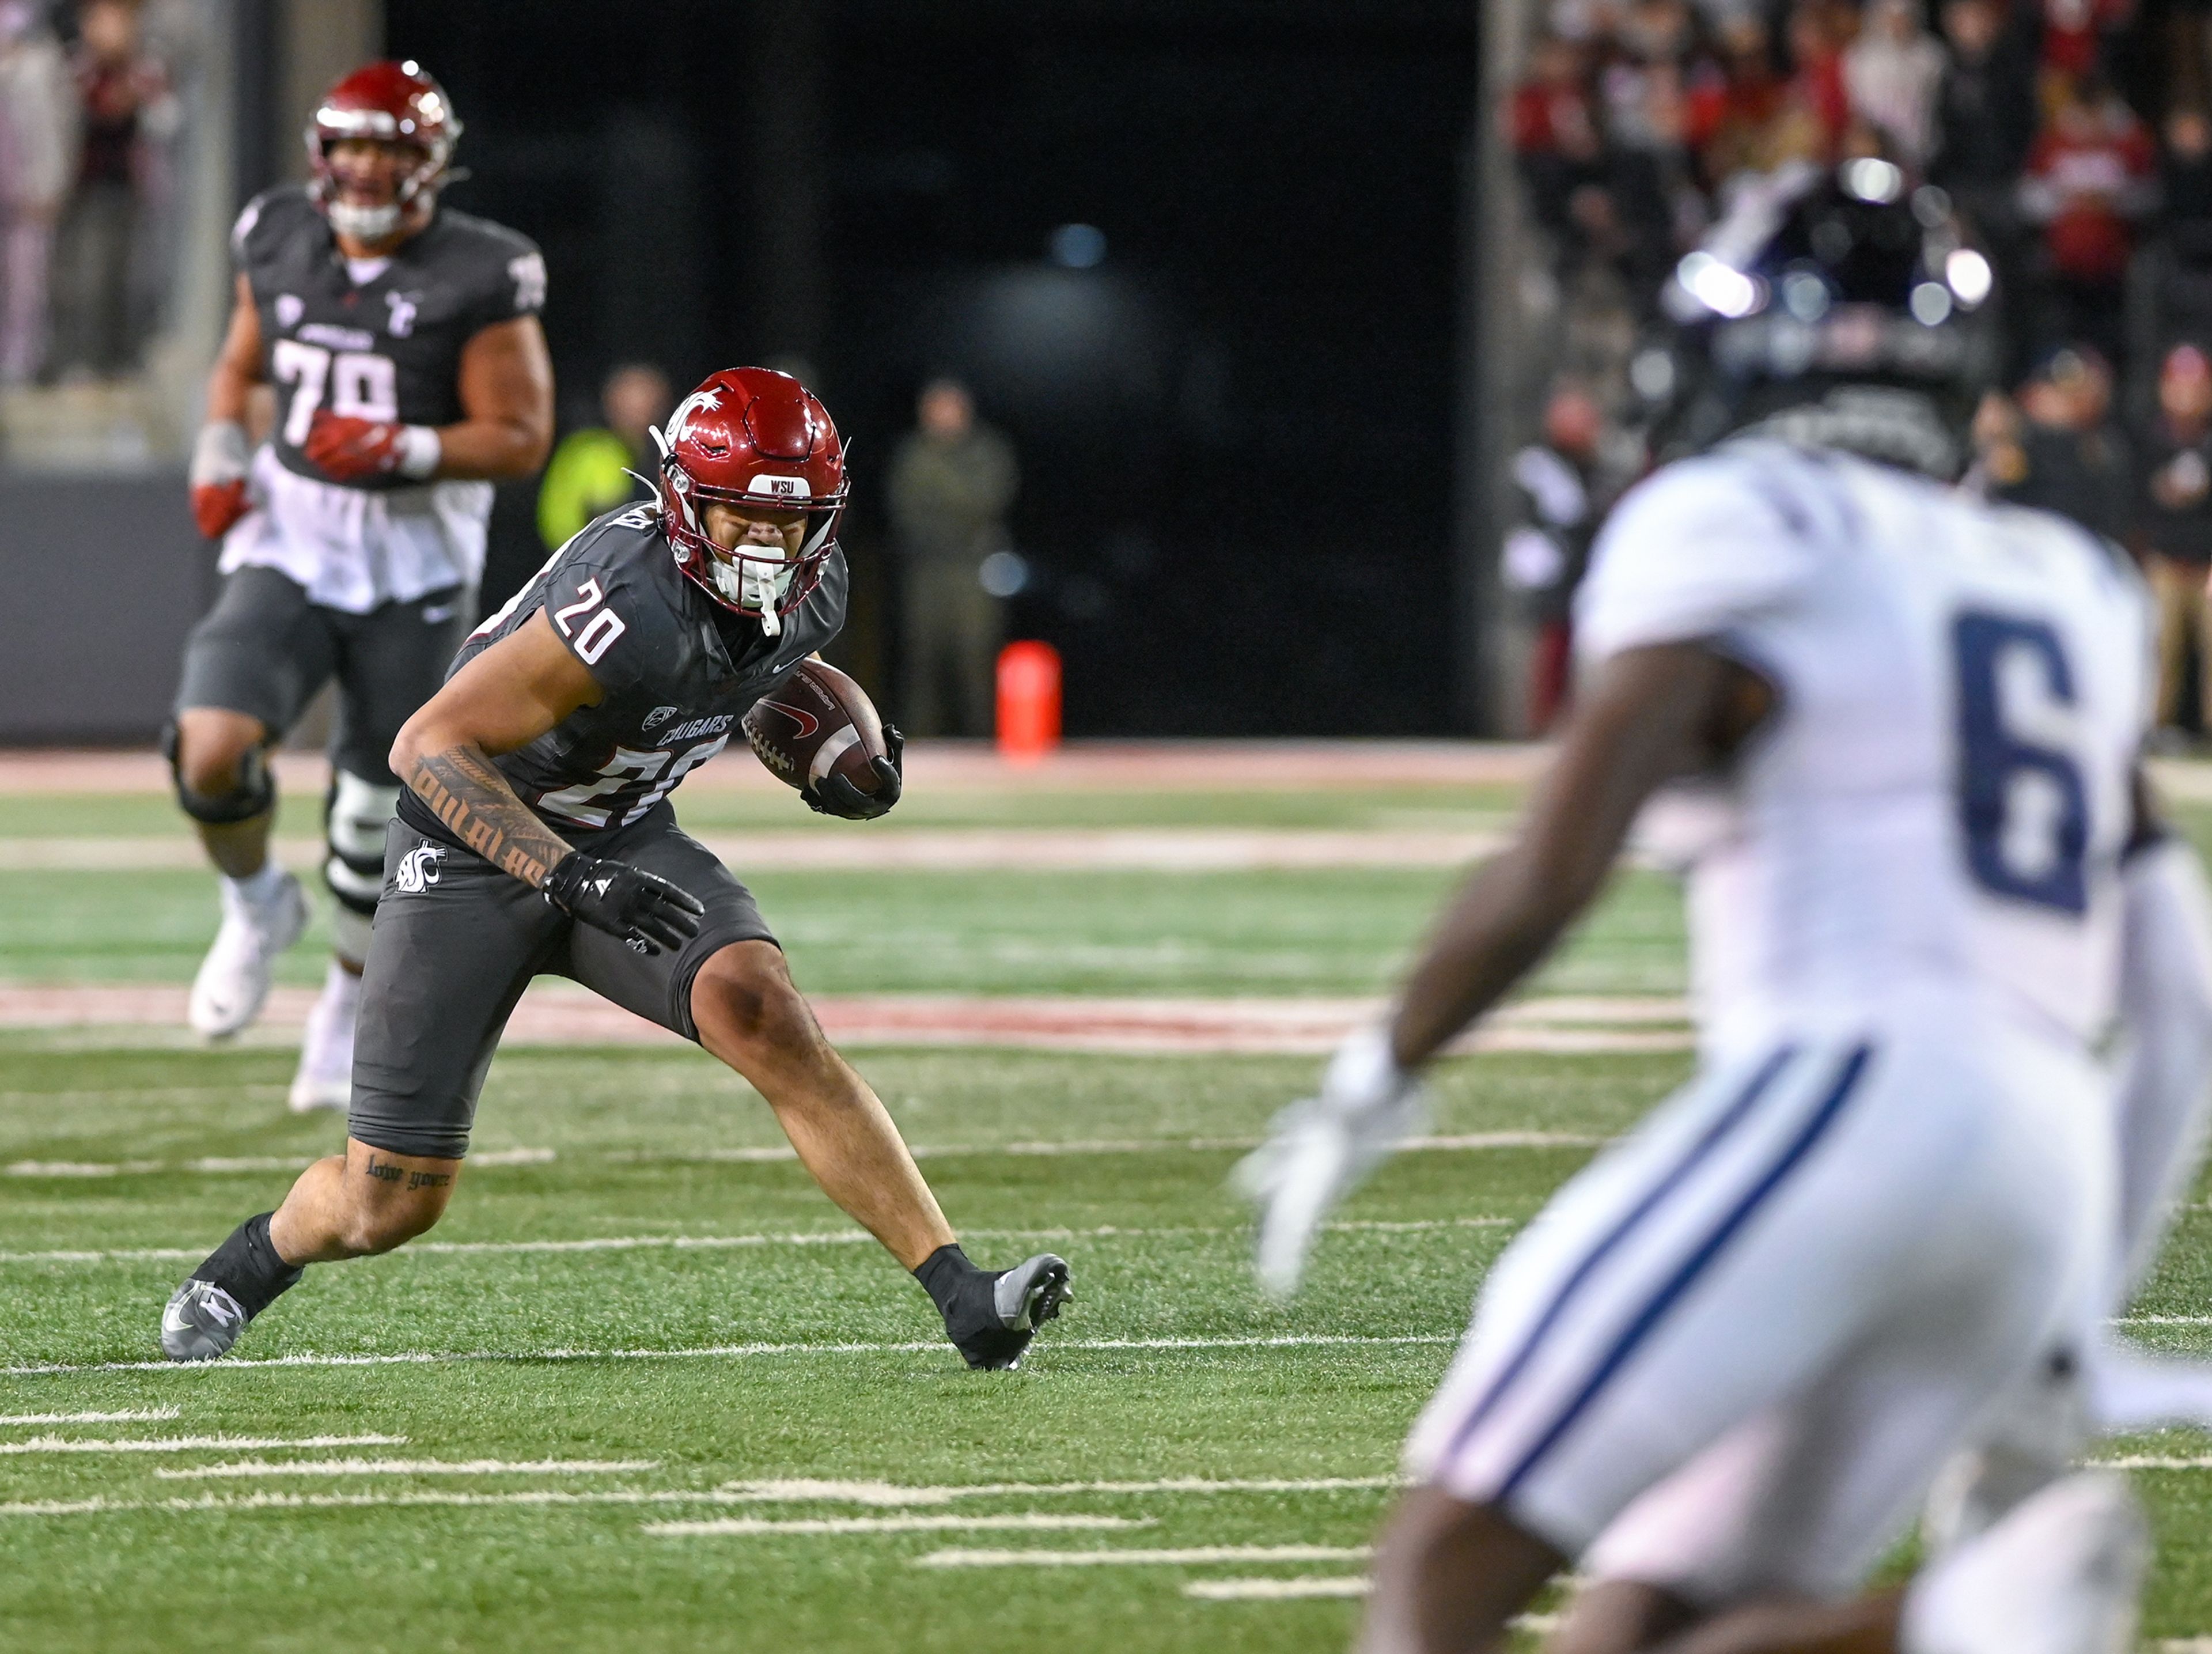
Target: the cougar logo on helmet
(679, 423)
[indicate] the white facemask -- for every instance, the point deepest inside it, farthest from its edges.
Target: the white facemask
(754, 585)
(370, 224)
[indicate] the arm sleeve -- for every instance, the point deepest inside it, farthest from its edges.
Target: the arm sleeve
(1703, 548)
(606, 622)
(2166, 1073)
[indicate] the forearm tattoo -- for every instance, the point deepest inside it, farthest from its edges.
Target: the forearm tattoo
(465, 790)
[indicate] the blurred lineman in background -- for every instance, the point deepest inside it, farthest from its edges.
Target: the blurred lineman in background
(1898, 733)
(953, 482)
(402, 343)
(535, 837)
(597, 468)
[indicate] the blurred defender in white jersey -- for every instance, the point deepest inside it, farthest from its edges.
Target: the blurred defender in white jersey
(402, 343)
(1724, 1364)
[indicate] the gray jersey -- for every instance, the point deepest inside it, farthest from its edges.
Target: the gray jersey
(384, 348)
(389, 347)
(678, 671)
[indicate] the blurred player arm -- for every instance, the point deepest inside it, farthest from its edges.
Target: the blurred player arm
(1648, 714)
(238, 365)
(506, 394)
(221, 455)
(507, 697)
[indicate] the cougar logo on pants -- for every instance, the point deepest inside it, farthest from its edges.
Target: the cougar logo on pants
(418, 870)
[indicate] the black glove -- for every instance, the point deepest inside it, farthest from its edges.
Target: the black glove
(643, 909)
(837, 796)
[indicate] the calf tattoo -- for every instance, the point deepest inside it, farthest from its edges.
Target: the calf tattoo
(465, 790)
(385, 1172)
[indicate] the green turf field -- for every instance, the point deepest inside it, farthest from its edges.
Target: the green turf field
(635, 1321)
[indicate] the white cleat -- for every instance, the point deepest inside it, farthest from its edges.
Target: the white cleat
(1320, 1149)
(325, 1079)
(232, 982)
(2062, 1574)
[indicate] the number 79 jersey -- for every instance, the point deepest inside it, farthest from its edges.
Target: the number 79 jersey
(1936, 807)
(388, 348)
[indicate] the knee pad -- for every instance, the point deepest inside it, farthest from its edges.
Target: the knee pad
(255, 794)
(355, 813)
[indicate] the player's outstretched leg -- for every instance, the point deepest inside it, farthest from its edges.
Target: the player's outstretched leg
(224, 785)
(749, 1014)
(355, 1205)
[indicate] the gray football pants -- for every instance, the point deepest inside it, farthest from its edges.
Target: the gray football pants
(457, 941)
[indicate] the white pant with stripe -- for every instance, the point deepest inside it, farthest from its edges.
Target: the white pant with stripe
(1727, 1358)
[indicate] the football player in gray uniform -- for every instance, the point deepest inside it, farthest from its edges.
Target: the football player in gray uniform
(402, 343)
(535, 837)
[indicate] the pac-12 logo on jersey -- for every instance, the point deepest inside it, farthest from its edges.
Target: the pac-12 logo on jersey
(418, 870)
(658, 716)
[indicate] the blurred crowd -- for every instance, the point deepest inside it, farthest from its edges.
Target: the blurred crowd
(88, 128)
(2073, 135)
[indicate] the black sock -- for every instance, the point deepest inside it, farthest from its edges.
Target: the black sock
(247, 1267)
(943, 1272)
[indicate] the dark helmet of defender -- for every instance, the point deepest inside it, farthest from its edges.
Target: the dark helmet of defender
(1839, 308)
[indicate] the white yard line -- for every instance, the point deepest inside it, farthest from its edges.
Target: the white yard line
(717, 1351)
(227, 1165)
(778, 1153)
(802, 1490)
(1185, 1556)
(190, 1443)
(129, 1415)
(796, 1237)
(534, 1497)
(1276, 1590)
(2150, 1463)
(245, 1469)
(954, 767)
(905, 849)
(760, 1527)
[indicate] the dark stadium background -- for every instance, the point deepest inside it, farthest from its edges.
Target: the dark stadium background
(1236, 432)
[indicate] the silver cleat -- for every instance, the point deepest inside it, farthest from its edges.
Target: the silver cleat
(201, 1322)
(1031, 1292)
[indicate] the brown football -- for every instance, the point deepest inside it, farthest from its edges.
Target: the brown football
(817, 722)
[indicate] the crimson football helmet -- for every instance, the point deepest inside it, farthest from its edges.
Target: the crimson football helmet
(391, 103)
(751, 436)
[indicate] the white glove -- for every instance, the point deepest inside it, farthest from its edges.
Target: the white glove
(1319, 1150)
